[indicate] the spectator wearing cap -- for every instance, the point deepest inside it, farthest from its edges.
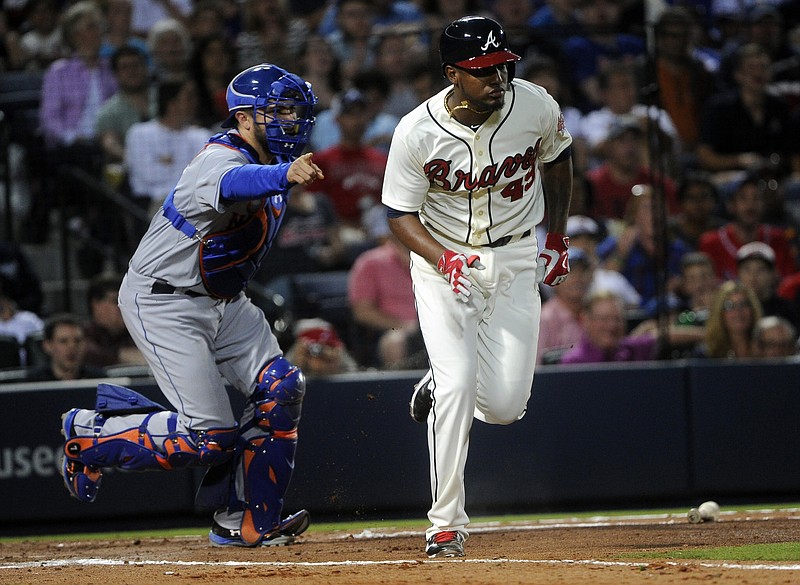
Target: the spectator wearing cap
(560, 326)
(774, 337)
(318, 350)
(381, 297)
(353, 170)
(374, 89)
(623, 168)
(585, 233)
(746, 209)
(698, 199)
(756, 265)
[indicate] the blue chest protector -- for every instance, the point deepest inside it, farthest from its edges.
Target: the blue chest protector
(229, 259)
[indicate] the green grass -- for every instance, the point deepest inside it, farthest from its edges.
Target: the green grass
(781, 551)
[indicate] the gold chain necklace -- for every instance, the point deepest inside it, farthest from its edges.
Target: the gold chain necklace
(464, 105)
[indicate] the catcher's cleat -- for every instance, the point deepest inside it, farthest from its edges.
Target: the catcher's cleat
(421, 401)
(447, 543)
(283, 535)
(82, 481)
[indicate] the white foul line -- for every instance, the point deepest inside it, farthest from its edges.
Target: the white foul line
(118, 562)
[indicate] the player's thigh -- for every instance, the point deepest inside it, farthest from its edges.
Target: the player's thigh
(175, 333)
(448, 326)
(507, 346)
(245, 343)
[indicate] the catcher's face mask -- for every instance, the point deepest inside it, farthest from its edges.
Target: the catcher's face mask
(282, 103)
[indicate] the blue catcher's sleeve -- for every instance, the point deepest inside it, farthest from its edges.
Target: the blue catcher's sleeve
(254, 181)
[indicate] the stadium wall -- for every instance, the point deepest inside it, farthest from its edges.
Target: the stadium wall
(618, 435)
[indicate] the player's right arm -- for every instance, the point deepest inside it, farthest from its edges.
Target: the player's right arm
(253, 181)
(455, 266)
(413, 235)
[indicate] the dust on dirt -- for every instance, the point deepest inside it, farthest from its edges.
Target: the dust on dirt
(603, 551)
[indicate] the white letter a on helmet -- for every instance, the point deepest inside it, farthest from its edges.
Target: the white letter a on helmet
(490, 42)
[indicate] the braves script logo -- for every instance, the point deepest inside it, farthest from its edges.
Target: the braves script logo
(439, 170)
(490, 42)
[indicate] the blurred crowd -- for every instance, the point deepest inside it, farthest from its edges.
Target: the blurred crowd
(686, 202)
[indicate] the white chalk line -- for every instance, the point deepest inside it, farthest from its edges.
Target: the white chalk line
(545, 524)
(95, 562)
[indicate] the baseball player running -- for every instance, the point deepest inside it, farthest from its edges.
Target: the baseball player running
(470, 174)
(182, 301)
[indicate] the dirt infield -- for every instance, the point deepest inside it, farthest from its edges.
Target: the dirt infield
(597, 550)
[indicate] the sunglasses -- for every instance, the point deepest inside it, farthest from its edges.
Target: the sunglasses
(731, 305)
(485, 71)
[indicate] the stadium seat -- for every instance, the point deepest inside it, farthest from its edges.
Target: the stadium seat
(9, 352)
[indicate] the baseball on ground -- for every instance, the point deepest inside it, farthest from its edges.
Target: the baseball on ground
(709, 511)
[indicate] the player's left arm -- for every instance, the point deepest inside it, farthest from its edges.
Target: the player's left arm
(557, 186)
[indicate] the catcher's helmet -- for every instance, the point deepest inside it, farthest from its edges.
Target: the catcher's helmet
(475, 42)
(267, 85)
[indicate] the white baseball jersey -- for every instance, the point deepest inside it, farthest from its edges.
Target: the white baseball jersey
(476, 187)
(473, 188)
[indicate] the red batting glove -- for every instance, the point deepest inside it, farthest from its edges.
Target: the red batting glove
(456, 267)
(554, 260)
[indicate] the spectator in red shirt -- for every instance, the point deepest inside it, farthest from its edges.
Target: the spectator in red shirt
(353, 170)
(623, 168)
(746, 209)
(381, 297)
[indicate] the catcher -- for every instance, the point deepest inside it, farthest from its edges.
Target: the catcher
(182, 300)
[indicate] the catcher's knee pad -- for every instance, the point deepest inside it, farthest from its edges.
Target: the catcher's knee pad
(278, 397)
(268, 463)
(151, 442)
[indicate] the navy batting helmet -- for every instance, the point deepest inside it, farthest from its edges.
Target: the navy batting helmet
(475, 42)
(268, 86)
